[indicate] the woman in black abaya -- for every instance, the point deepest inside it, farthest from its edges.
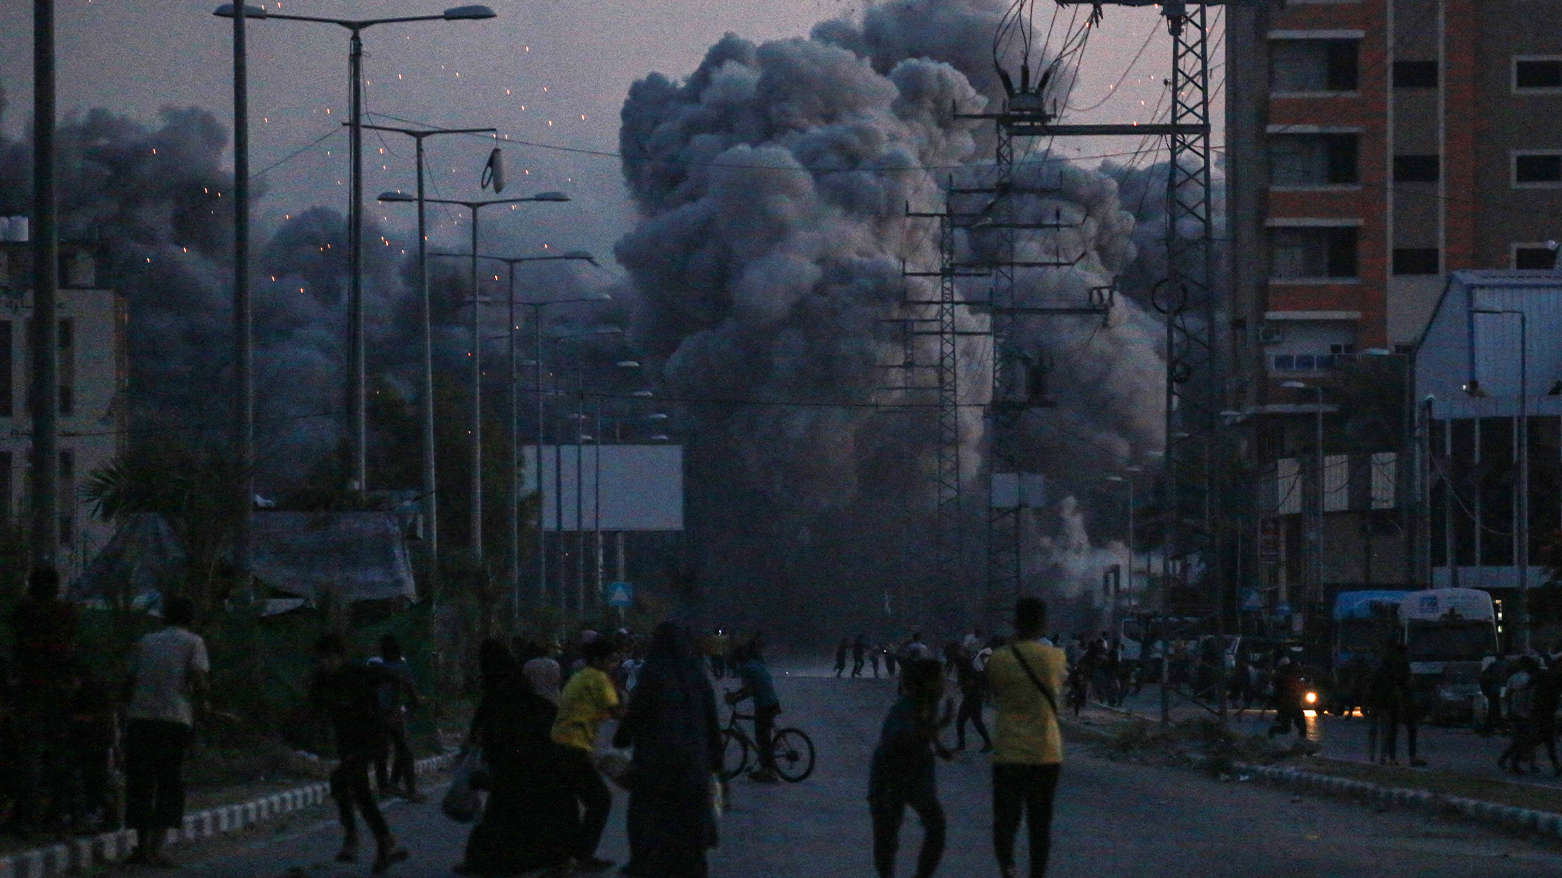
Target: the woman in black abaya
(676, 735)
(530, 816)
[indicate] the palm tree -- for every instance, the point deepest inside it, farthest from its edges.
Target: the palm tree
(197, 490)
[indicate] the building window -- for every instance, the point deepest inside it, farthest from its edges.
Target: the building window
(67, 501)
(1537, 74)
(6, 514)
(67, 366)
(1416, 169)
(1415, 74)
(1415, 260)
(7, 370)
(1313, 159)
(1534, 256)
(1537, 168)
(1313, 252)
(1313, 65)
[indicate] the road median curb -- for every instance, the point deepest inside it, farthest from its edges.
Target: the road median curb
(80, 855)
(1511, 817)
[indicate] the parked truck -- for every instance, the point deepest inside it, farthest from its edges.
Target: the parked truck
(1364, 624)
(1449, 635)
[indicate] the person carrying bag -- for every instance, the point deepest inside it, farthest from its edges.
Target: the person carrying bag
(1028, 745)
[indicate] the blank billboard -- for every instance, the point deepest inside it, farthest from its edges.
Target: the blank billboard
(624, 487)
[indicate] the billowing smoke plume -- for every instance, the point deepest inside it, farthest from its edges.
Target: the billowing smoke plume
(773, 183)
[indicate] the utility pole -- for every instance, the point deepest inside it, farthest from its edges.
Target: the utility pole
(243, 316)
(430, 479)
(1195, 386)
(46, 285)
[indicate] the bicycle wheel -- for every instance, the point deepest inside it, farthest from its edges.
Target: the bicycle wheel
(734, 755)
(794, 753)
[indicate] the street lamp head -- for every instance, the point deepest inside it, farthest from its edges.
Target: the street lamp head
(1116, 479)
(549, 196)
(658, 416)
(1473, 388)
(644, 394)
(231, 10)
(628, 364)
(468, 13)
(1297, 385)
(398, 196)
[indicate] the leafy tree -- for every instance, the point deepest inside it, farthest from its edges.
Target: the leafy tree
(196, 489)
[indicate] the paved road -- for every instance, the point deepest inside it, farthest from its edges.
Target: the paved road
(1114, 820)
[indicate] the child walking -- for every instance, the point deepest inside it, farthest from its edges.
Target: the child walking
(902, 770)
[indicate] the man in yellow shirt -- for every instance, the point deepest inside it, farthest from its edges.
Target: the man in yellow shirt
(1025, 678)
(588, 698)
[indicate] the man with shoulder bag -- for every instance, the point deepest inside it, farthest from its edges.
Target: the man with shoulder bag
(1025, 678)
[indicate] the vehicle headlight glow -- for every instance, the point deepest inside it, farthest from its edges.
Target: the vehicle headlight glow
(1311, 698)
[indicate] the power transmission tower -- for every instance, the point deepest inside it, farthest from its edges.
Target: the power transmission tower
(1194, 371)
(949, 540)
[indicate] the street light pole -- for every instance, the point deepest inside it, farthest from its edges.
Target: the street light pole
(1129, 481)
(1407, 495)
(1521, 530)
(514, 512)
(558, 462)
(45, 453)
(357, 409)
(1315, 565)
(430, 478)
(477, 345)
(243, 313)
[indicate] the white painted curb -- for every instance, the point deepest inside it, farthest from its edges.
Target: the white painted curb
(82, 854)
(1505, 816)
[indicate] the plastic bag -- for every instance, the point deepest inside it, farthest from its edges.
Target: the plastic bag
(464, 799)
(614, 764)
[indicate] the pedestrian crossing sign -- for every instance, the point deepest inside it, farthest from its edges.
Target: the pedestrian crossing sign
(620, 594)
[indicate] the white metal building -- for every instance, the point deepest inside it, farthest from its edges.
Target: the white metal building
(1491, 332)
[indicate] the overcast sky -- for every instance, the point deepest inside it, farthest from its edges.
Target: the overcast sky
(551, 74)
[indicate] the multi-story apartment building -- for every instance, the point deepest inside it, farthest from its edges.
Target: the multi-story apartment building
(1373, 147)
(92, 370)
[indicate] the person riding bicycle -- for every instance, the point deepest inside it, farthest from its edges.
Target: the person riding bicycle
(758, 685)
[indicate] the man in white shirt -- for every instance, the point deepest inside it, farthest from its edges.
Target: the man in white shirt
(167, 677)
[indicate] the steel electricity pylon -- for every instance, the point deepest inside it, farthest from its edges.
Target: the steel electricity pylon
(1194, 383)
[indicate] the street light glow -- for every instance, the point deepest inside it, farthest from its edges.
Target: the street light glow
(230, 10)
(468, 13)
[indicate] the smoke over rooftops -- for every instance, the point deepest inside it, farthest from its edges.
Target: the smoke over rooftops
(773, 183)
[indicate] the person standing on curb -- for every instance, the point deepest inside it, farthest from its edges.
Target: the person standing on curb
(1518, 696)
(588, 698)
(1548, 692)
(398, 694)
(840, 657)
(44, 627)
(348, 693)
(1025, 679)
(1401, 706)
(166, 685)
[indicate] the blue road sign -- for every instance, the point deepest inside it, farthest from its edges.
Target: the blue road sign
(620, 594)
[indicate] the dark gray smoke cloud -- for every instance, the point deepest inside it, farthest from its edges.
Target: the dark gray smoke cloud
(773, 183)
(154, 203)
